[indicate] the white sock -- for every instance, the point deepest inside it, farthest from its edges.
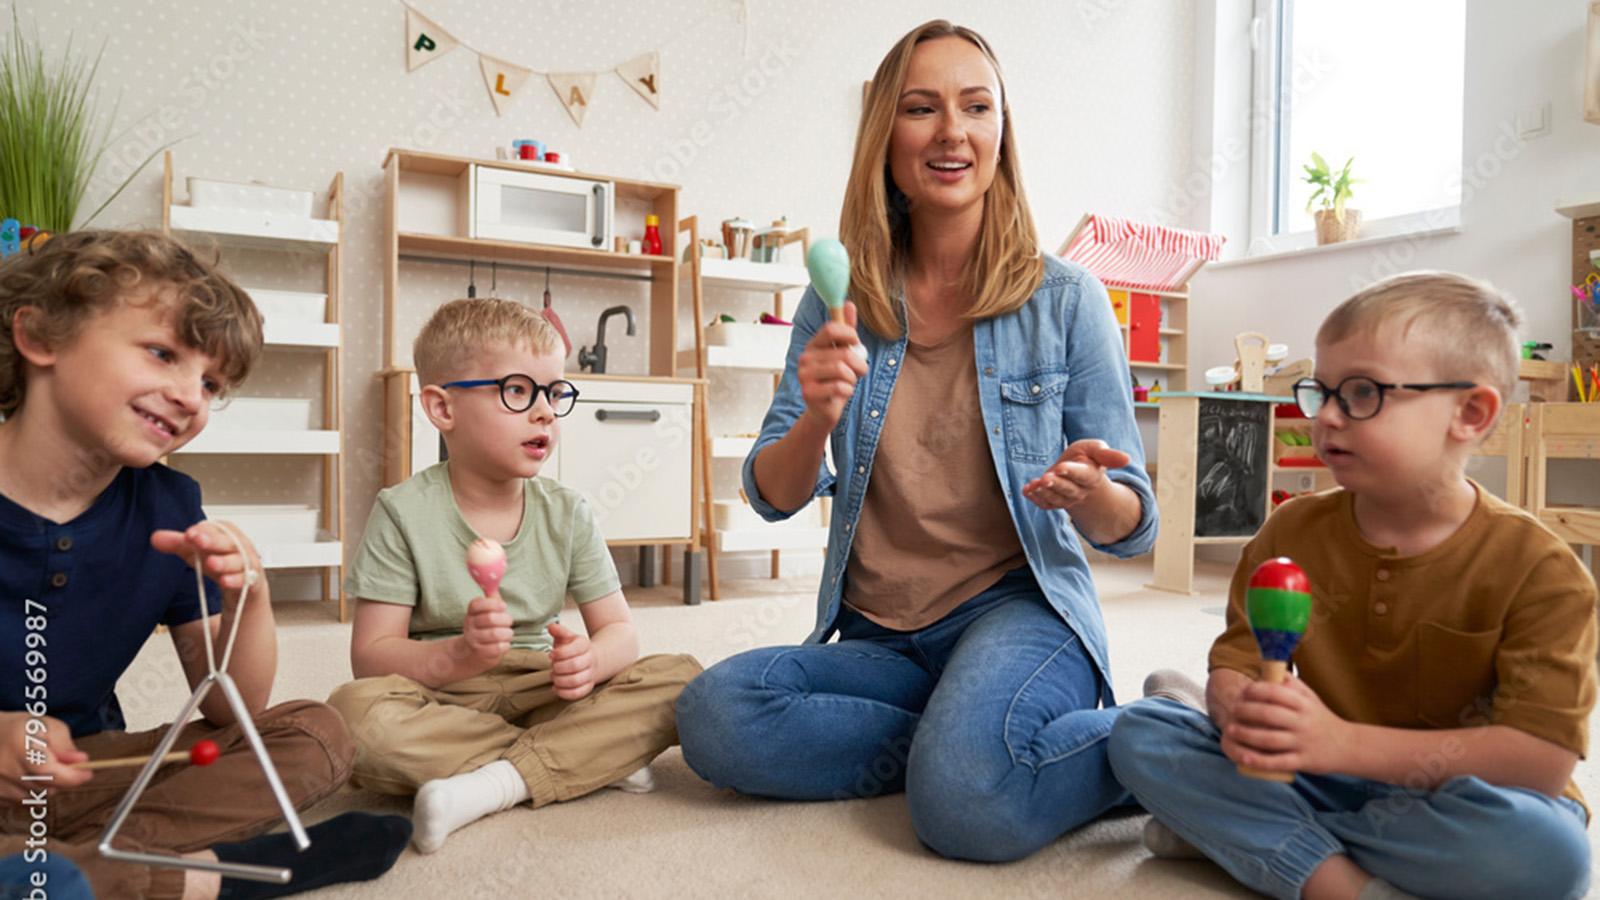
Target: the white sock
(640, 782)
(445, 804)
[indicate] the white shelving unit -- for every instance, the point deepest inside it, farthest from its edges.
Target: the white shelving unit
(256, 230)
(285, 442)
(733, 361)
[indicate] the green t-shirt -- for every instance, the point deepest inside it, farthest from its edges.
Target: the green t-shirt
(414, 554)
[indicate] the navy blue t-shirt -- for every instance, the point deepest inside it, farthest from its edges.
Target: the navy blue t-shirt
(103, 589)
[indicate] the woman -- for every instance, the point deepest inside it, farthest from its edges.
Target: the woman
(972, 436)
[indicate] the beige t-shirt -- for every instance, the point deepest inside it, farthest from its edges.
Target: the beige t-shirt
(414, 554)
(934, 530)
(1495, 626)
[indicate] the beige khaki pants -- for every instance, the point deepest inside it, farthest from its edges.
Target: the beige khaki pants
(408, 734)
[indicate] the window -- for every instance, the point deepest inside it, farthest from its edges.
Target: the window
(1375, 80)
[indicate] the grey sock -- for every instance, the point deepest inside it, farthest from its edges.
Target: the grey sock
(1174, 685)
(1165, 843)
(1378, 889)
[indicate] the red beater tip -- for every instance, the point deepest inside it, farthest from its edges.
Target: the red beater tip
(204, 753)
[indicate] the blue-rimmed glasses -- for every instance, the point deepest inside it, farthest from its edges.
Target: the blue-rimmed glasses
(1359, 397)
(519, 392)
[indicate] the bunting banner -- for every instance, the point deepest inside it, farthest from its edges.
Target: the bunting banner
(643, 74)
(574, 90)
(502, 79)
(426, 41)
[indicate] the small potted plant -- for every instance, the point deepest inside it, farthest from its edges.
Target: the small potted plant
(1335, 223)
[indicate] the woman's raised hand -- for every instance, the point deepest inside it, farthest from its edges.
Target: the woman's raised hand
(828, 369)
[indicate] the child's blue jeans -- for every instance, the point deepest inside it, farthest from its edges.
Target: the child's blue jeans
(987, 719)
(1465, 839)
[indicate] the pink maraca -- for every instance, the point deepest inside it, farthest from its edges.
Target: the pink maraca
(486, 563)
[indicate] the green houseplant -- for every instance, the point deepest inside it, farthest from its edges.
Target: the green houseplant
(50, 141)
(1335, 222)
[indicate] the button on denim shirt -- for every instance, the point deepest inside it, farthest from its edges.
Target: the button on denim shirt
(1049, 373)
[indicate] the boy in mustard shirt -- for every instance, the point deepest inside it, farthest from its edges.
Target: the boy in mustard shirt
(1444, 685)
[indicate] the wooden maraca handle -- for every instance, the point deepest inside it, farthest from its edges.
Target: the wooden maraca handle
(836, 314)
(1273, 671)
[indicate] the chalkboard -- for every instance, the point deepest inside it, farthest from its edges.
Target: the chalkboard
(1232, 457)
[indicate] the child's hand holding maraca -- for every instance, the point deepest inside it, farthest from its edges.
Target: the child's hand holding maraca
(1286, 728)
(1278, 603)
(487, 629)
(571, 663)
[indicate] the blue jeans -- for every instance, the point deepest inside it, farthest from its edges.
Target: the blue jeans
(1465, 839)
(987, 719)
(55, 877)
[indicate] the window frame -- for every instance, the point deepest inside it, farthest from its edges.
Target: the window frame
(1272, 85)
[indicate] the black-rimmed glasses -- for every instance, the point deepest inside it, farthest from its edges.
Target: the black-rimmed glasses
(1359, 397)
(519, 392)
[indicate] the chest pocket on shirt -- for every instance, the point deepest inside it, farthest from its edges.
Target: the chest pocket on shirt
(1032, 409)
(1455, 675)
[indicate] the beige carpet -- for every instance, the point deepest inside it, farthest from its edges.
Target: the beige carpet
(690, 840)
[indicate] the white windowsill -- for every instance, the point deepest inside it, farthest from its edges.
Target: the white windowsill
(1414, 227)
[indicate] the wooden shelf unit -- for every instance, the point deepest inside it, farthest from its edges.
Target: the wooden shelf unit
(776, 278)
(1171, 326)
(325, 236)
(1585, 243)
(413, 168)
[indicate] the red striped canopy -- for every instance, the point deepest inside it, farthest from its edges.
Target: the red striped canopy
(1138, 255)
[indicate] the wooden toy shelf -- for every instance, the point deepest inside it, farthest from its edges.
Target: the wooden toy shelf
(317, 335)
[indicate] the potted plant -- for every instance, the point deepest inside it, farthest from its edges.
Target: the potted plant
(1334, 222)
(50, 144)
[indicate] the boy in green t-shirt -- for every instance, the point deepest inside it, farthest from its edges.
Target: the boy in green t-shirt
(476, 704)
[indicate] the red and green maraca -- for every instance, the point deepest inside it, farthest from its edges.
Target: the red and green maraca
(1278, 602)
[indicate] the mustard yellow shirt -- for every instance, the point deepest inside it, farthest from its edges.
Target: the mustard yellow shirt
(1495, 626)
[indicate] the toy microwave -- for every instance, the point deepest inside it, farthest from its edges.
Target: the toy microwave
(538, 208)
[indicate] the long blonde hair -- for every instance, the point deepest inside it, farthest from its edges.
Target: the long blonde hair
(875, 225)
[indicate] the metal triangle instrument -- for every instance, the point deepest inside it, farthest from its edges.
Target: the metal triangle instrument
(217, 676)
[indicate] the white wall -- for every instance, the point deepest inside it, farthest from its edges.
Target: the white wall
(291, 92)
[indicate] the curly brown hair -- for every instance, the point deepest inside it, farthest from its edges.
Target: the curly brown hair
(77, 275)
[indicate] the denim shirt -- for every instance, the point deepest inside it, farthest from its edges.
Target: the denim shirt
(1049, 373)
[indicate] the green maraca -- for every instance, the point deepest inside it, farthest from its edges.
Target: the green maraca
(1278, 601)
(829, 266)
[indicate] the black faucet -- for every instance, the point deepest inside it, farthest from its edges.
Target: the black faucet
(594, 359)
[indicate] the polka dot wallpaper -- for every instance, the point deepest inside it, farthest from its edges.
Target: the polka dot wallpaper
(759, 101)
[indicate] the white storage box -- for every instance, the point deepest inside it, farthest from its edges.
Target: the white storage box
(207, 192)
(757, 338)
(262, 414)
(269, 523)
(736, 515)
(290, 306)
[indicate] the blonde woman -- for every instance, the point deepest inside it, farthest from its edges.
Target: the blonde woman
(988, 418)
